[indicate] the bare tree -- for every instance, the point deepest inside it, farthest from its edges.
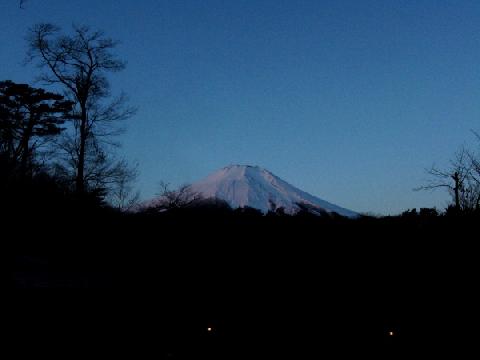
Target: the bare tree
(461, 179)
(176, 199)
(79, 63)
(123, 196)
(474, 175)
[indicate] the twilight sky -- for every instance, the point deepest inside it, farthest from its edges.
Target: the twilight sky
(348, 100)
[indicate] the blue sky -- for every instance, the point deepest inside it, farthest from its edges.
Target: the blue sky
(348, 100)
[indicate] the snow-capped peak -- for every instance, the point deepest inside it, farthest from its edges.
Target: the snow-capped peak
(253, 186)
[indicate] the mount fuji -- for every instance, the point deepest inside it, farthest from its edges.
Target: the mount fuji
(255, 187)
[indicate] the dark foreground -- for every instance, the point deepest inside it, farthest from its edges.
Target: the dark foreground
(267, 287)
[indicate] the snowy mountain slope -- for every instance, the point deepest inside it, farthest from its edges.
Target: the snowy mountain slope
(244, 185)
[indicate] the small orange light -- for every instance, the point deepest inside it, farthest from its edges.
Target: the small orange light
(391, 333)
(209, 329)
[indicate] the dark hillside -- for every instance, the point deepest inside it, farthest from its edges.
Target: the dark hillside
(293, 284)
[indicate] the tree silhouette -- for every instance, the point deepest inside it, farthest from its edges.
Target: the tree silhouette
(79, 63)
(181, 198)
(461, 178)
(29, 118)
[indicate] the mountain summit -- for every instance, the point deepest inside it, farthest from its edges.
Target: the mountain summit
(252, 186)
